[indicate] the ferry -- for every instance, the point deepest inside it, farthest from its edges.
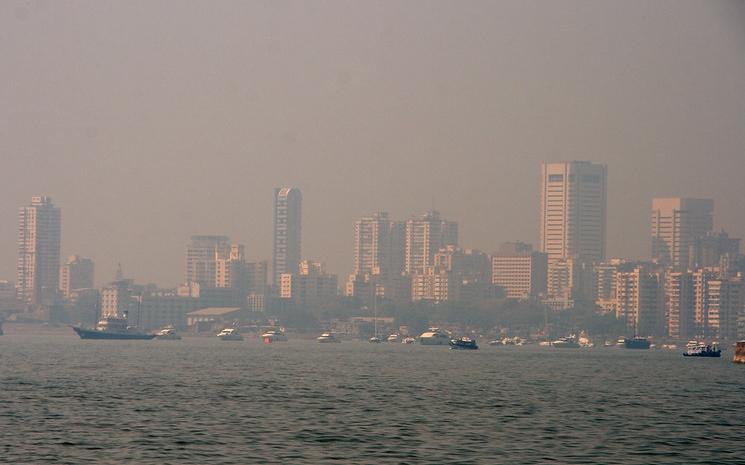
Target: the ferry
(435, 337)
(463, 343)
(328, 338)
(703, 350)
(230, 334)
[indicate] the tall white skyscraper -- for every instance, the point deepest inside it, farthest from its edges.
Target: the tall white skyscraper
(378, 245)
(573, 211)
(676, 225)
(39, 240)
(286, 253)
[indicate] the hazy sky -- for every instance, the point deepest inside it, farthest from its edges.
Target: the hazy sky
(150, 121)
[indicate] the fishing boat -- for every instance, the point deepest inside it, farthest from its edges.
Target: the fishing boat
(112, 328)
(463, 343)
(703, 350)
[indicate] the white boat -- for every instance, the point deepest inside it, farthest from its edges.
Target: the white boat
(375, 340)
(568, 342)
(408, 340)
(230, 334)
(167, 334)
(273, 336)
(394, 338)
(435, 337)
(328, 338)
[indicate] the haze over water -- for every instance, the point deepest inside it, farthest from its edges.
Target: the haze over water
(203, 400)
(149, 122)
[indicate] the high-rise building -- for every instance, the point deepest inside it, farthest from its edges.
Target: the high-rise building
(378, 245)
(39, 241)
(676, 224)
(77, 273)
(202, 254)
(708, 251)
(425, 235)
(286, 252)
(679, 302)
(520, 271)
(639, 300)
(573, 211)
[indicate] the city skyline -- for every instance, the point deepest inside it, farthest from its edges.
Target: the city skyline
(359, 124)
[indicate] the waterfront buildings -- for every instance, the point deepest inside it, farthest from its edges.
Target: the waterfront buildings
(76, 273)
(287, 235)
(519, 270)
(39, 241)
(677, 223)
(638, 300)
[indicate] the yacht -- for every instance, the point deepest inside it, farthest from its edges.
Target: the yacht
(408, 340)
(375, 340)
(328, 338)
(167, 334)
(112, 328)
(435, 337)
(230, 334)
(568, 342)
(393, 338)
(274, 335)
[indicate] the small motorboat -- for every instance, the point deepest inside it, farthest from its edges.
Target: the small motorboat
(167, 334)
(273, 336)
(328, 338)
(230, 334)
(463, 343)
(569, 342)
(408, 340)
(375, 340)
(393, 338)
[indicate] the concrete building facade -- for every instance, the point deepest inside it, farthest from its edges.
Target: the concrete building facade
(287, 236)
(39, 243)
(676, 224)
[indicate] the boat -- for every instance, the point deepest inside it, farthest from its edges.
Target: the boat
(703, 350)
(567, 342)
(495, 342)
(636, 342)
(435, 337)
(274, 335)
(375, 340)
(328, 338)
(463, 343)
(167, 334)
(230, 334)
(393, 338)
(112, 328)
(408, 340)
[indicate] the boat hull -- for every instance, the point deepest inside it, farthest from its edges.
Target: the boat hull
(636, 343)
(708, 355)
(103, 335)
